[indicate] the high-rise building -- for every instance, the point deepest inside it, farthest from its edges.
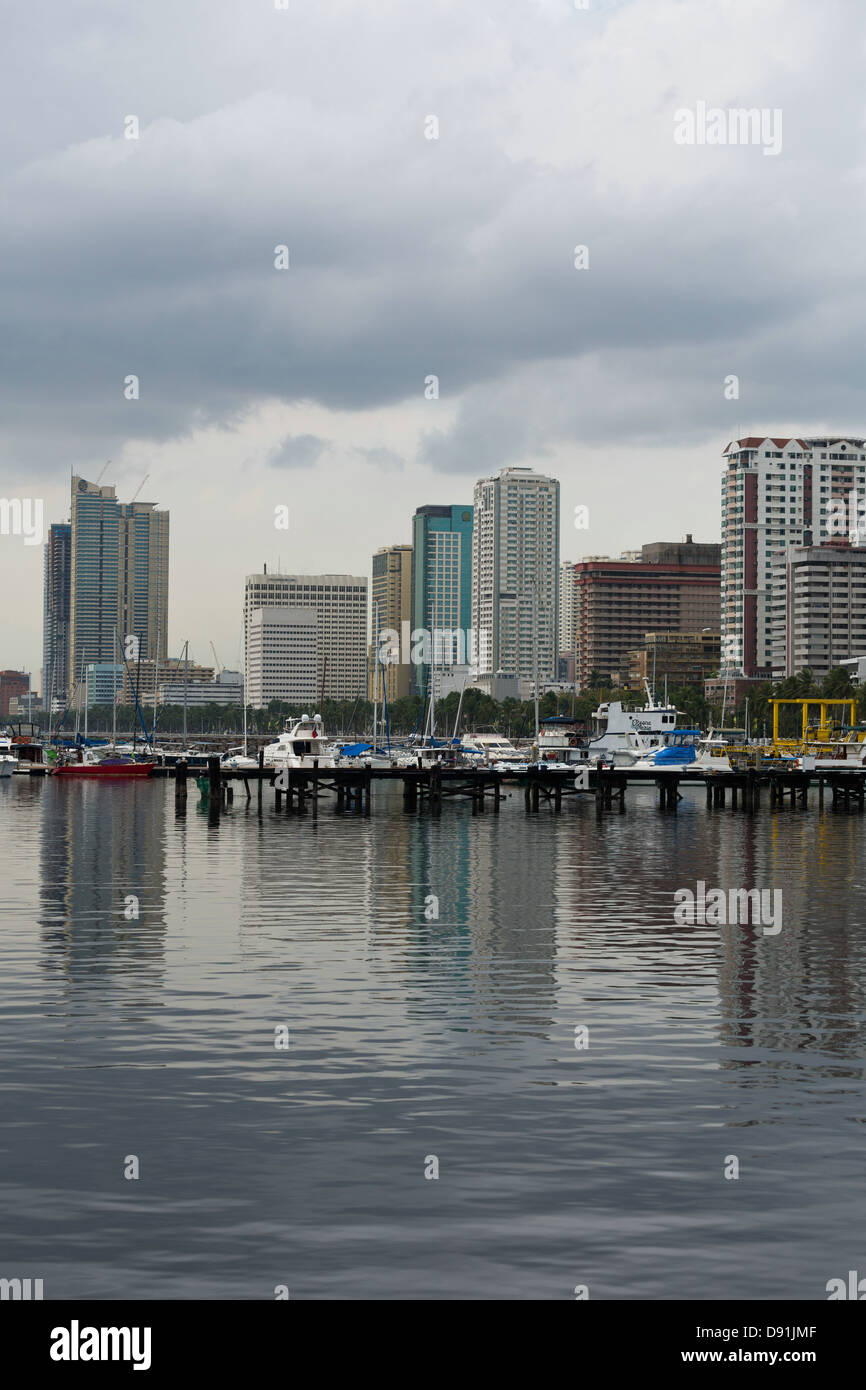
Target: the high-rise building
(567, 620)
(281, 656)
(442, 586)
(13, 686)
(515, 574)
(775, 493)
(55, 614)
(817, 608)
(339, 602)
(391, 599)
(673, 587)
(119, 576)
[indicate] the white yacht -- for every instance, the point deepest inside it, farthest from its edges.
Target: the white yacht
(494, 749)
(303, 743)
(8, 761)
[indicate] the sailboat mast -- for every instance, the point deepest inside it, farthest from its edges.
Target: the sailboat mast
(114, 696)
(155, 686)
(185, 687)
(535, 652)
(375, 674)
(245, 708)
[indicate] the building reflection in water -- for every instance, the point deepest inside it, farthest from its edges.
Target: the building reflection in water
(102, 848)
(802, 990)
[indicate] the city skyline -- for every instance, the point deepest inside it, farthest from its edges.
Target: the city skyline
(833, 488)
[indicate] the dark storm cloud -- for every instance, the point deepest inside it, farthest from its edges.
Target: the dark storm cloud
(411, 257)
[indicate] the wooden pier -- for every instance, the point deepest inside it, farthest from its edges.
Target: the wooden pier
(299, 791)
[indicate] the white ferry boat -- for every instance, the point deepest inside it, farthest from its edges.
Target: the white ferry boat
(631, 735)
(302, 744)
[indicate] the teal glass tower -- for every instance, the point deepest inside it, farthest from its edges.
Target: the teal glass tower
(441, 579)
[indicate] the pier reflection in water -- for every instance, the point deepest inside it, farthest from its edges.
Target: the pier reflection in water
(431, 973)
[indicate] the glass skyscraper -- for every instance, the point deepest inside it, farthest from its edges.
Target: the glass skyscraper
(442, 581)
(119, 576)
(55, 614)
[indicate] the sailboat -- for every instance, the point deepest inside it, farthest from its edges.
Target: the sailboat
(104, 762)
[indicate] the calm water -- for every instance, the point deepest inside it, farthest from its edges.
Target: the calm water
(412, 1038)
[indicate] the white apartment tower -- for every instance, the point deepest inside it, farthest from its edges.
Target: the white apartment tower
(775, 494)
(567, 609)
(339, 603)
(515, 573)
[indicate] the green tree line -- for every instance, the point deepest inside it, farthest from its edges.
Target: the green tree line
(513, 718)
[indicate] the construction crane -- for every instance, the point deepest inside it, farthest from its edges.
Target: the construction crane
(219, 669)
(138, 489)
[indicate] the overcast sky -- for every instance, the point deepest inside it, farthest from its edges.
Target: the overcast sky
(306, 127)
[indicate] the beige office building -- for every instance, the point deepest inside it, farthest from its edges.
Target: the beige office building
(281, 656)
(339, 602)
(391, 594)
